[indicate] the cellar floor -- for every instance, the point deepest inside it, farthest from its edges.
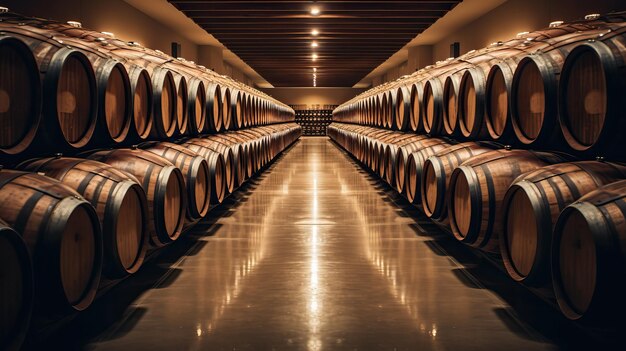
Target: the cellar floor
(317, 254)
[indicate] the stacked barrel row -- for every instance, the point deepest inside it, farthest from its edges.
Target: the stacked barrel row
(555, 219)
(559, 87)
(71, 88)
(110, 156)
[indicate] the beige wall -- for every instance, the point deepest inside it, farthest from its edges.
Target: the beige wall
(515, 16)
(313, 96)
(505, 21)
(127, 23)
(115, 16)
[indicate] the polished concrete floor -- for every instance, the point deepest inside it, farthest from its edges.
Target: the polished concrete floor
(316, 256)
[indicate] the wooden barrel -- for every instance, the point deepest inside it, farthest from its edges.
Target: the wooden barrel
(20, 96)
(436, 177)
(164, 99)
(477, 189)
(114, 96)
(416, 119)
(196, 106)
(120, 203)
(240, 148)
(239, 158)
(195, 170)
(62, 232)
(226, 108)
(531, 207)
(164, 187)
(402, 108)
(497, 109)
(472, 122)
(182, 104)
(390, 157)
(415, 168)
(236, 110)
(588, 258)
(230, 164)
(141, 90)
(450, 99)
(245, 110)
(16, 291)
(402, 156)
(591, 102)
(221, 169)
(214, 108)
(432, 105)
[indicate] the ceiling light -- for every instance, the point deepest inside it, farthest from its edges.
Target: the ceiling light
(314, 44)
(314, 69)
(315, 11)
(314, 57)
(315, 32)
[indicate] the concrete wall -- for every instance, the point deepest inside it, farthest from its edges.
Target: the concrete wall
(504, 22)
(313, 96)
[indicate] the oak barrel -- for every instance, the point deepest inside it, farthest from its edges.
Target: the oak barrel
(217, 168)
(195, 170)
(477, 189)
(163, 184)
(531, 207)
(119, 201)
(16, 290)
(587, 258)
(214, 108)
(415, 169)
(436, 176)
(20, 96)
(62, 232)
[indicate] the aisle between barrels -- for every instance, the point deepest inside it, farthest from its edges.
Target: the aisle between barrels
(316, 255)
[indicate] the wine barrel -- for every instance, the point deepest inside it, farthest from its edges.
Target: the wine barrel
(240, 148)
(164, 187)
(20, 96)
(16, 291)
(477, 189)
(236, 110)
(416, 119)
(164, 99)
(182, 104)
(226, 108)
(450, 99)
(120, 203)
(196, 106)
(114, 96)
(531, 207)
(195, 170)
(420, 141)
(436, 177)
(415, 169)
(390, 156)
(402, 109)
(498, 108)
(587, 258)
(230, 164)
(62, 232)
(141, 90)
(432, 106)
(591, 103)
(217, 168)
(214, 108)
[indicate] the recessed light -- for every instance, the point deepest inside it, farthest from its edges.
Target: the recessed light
(314, 69)
(314, 44)
(315, 11)
(315, 32)
(314, 57)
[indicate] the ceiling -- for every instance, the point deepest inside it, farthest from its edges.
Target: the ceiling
(275, 37)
